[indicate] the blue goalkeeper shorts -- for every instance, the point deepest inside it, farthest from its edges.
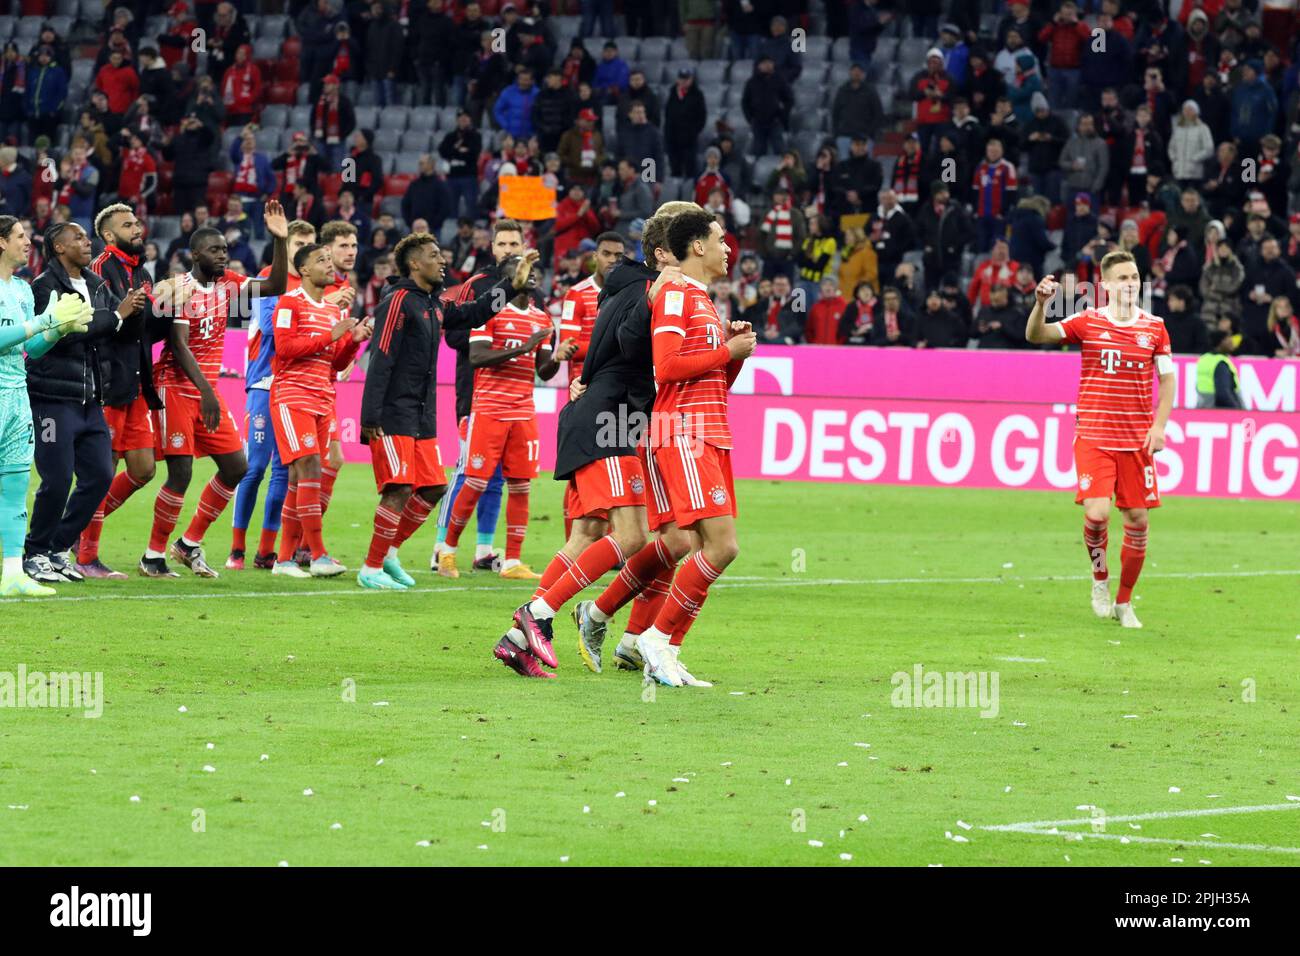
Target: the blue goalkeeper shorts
(17, 438)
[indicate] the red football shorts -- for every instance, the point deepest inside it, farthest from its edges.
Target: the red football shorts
(130, 425)
(1129, 476)
(403, 460)
(697, 476)
(298, 433)
(512, 443)
(598, 486)
(179, 429)
(658, 507)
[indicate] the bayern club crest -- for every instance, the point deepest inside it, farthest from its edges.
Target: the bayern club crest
(1144, 340)
(719, 496)
(177, 441)
(259, 422)
(309, 440)
(476, 462)
(637, 485)
(1085, 482)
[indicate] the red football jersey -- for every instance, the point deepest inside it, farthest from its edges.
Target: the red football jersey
(305, 355)
(697, 406)
(205, 313)
(505, 391)
(577, 319)
(1115, 387)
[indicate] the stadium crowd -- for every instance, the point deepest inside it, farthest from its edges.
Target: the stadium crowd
(886, 174)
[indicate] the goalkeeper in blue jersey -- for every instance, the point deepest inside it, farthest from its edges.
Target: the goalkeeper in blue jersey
(23, 331)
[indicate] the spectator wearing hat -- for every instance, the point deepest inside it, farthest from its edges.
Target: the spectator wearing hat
(766, 102)
(460, 149)
(1085, 161)
(333, 120)
(554, 110)
(582, 150)
(856, 110)
(385, 46)
(611, 73)
(931, 90)
(1254, 108)
(956, 55)
(1191, 146)
(1045, 136)
(945, 231)
(859, 170)
(47, 88)
(984, 84)
(685, 114)
(176, 43)
(514, 106)
(300, 163)
(241, 87)
(1066, 38)
(778, 45)
(1222, 276)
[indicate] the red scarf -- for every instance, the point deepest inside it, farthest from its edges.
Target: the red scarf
(238, 89)
(867, 317)
(129, 261)
(246, 176)
(1139, 164)
(65, 193)
(342, 60)
(773, 326)
(327, 121)
(891, 323)
(295, 167)
(570, 72)
(304, 206)
(907, 178)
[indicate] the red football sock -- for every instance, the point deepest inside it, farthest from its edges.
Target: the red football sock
(1131, 555)
(639, 570)
(328, 476)
(516, 518)
(216, 495)
(690, 585)
(1095, 539)
(386, 524)
(595, 560)
(649, 601)
(463, 507)
(266, 545)
(679, 635)
(239, 539)
(559, 564)
(166, 511)
(123, 487)
(413, 516)
(309, 517)
(289, 526)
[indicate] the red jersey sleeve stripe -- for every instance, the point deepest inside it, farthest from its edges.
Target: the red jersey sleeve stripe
(394, 311)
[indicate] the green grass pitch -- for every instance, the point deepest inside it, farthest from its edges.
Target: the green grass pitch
(796, 756)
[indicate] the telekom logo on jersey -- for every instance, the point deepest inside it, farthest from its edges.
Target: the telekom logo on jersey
(1110, 359)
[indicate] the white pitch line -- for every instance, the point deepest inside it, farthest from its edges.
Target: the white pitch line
(1051, 828)
(1157, 815)
(759, 583)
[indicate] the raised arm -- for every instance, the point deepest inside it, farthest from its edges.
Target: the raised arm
(277, 224)
(1038, 329)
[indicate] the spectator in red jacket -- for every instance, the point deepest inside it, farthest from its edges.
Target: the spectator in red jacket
(241, 87)
(575, 220)
(932, 90)
(177, 43)
(1066, 38)
(998, 269)
(139, 175)
(824, 318)
(119, 81)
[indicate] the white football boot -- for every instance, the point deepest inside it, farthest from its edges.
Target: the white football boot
(1124, 614)
(1101, 603)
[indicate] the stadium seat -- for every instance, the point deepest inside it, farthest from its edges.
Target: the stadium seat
(839, 75)
(839, 51)
(886, 50)
(652, 50)
(67, 8)
(763, 167)
(817, 49)
(62, 25)
(741, 71)
(391, 205)
(7, 27)
(268, 49)
(447, 118)
(415, 140)
(164, 228)
(595, 45)
(29, 28)
(292, 48)
(300, 118)
(272, 25)
(406, 163)
(367, 117)
(715, 98)
(677, 49)
(220, 181)
(393, 117)
(396, 184)
(268, 139)
(628, 48)
(282, 93)
(287, 70)
(809, 96)
(709, 73)
(386, 140)
(425, 118)
(83, 71)
(304, 93)
(913, 50)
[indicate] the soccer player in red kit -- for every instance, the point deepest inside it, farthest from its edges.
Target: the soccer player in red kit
(1115, 435)
(313, 340)
(194, 420)
(696, 358)
(505, 353)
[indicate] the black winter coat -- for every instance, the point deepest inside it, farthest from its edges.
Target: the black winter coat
(74, 371)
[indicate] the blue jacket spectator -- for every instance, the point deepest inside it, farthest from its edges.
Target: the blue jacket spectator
(15, 185)
(956, 58)
(47, 87)
(514, 107)
(611, 73)
(1254, 105)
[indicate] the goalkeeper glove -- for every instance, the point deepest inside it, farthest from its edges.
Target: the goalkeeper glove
(71, 314)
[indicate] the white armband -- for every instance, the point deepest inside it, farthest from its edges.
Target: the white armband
(1164, 365)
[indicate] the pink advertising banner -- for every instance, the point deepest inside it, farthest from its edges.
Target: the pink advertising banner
(969, 418)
